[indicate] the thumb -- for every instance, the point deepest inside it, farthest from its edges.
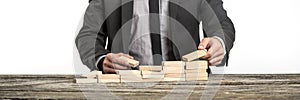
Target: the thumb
(204, 44)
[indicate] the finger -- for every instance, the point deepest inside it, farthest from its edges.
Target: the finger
(120, 61)
(107, 63)
(219, 52)
(215, 56)
(108, 70)
(119, 67)
(114, 66)
(209, 53)
(216, 61)
(204, 44)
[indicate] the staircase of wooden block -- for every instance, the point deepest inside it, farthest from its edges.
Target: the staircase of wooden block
(189, 69)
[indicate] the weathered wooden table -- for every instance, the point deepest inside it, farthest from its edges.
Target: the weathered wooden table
(219, 87)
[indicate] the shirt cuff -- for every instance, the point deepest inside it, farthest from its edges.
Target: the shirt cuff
(99, 59)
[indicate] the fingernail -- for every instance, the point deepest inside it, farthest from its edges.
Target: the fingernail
(201, 47)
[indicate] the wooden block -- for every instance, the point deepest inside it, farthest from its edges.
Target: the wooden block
(174, 75)
(180, 64)
(108, 76)
(194, 55)
(150, 68)
(128, 72)
(92, 74)
(131, 62)
(196, 78)
(173, 71)
(174, 79)
(194, 75)
(109, 80)
(201, 64)
(152, 73)
(174, 68)
(86, 80)
(195, 71)
(131, 77)
(152, 76)
(131, 80)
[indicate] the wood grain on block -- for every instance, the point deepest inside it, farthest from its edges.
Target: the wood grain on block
(131, 77)
(175, 75)
(152, 73)
(152, 76)
(195, 71)
(200, 64)
(174, 79)
(86, 80)
(173, 64)
(92, 74)
(174, 68)
(194, 55)
(196, 78)
(128, 72)
(196, 75)
(173, 71)
(150, 68)
(131, 62)
(109, 76)
(109, 80)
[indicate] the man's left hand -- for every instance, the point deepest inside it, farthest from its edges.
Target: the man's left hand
(215, 50)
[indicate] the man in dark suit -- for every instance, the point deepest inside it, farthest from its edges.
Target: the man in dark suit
(122, 22)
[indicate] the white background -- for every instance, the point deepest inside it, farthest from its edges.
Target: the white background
(37, 36)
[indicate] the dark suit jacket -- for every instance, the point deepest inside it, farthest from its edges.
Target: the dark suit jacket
(111, 19)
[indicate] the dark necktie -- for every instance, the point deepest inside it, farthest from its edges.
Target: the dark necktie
(155, 31)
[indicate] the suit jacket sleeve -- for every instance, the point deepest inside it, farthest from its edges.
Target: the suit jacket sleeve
(90, 40)
(228, 35)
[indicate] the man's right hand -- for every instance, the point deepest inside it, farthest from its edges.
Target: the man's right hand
(113, 62)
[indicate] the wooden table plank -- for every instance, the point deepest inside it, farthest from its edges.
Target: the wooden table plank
(239, 86)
